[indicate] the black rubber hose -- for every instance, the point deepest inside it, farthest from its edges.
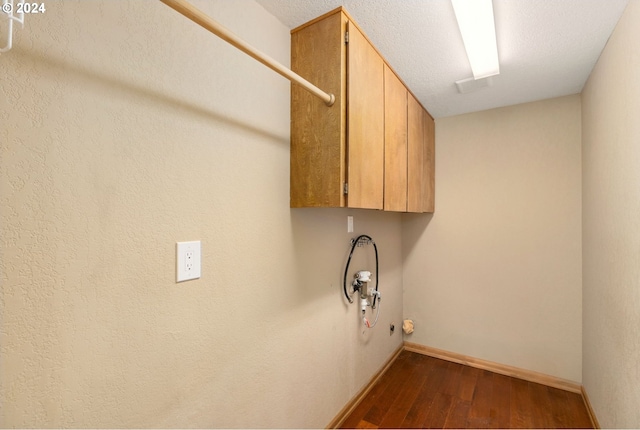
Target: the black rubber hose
(375, 248)
(346, 269)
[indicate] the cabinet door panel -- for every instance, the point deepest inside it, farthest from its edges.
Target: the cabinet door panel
(395, 143)
(428, 177)
(318, 131)
(365, 119)
(415, 154)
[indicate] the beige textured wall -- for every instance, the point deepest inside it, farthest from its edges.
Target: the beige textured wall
(125, 128)
(497, 273)
(611, 231)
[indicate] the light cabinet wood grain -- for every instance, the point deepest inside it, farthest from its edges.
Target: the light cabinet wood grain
(395, 143)
(429, 165)
(318, 142)
(365, 119)
(415, 155)
(421, 159)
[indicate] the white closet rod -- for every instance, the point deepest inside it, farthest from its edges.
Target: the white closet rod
(200, 18)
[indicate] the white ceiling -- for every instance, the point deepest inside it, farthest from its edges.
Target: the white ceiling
(547, 48)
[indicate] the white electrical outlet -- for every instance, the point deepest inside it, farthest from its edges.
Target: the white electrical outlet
(188, 258)
(349, 224)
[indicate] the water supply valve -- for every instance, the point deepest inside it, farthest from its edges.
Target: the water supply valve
(361, 282)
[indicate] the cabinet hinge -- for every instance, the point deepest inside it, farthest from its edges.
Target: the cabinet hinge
(346, 37)
(345, 188)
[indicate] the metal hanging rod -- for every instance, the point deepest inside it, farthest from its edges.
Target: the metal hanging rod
(200, 18)
(15, 12)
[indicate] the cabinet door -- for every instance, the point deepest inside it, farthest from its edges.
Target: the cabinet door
(428, 174)
(318, 131)
(395, 143)
(365, 119)
(415, 155)
(421, 155)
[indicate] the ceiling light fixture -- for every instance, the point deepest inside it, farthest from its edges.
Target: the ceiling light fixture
(476, 23)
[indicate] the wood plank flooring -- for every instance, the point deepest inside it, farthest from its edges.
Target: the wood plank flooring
(424, 392)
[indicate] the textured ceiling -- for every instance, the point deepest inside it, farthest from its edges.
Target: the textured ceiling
(547, 48)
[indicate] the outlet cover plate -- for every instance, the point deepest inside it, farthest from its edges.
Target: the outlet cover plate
(188, 260)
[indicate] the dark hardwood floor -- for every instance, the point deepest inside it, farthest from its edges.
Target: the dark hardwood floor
(418, 391)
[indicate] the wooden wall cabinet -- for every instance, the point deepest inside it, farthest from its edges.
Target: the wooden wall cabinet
(373, 148)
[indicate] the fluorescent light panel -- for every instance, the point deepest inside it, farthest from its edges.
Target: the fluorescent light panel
(475, 19)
